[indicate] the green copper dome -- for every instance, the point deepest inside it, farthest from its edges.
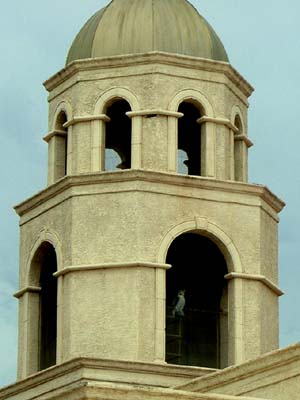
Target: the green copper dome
(140, 26)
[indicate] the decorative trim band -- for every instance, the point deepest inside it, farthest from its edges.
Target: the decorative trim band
(218, 121)
(28, 289)
(253, 277)
(153, 113)
(245, 139)
(90, 267)
(50, 135)
(86, 118)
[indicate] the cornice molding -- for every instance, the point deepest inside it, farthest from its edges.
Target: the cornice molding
(151, 374)
(150, 113)
(51, 134)
(162, 58)
(135, 175)
(217, 121)
(245, 139)
(230, 125)
(27, 289)
(125, 265)
(255, 277)
(251, 375)
(86, 118)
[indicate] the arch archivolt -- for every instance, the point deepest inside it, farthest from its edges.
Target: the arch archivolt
(116, 93)
(206, 228)
(194, 95)
(64, 106)
(236, 111)
(46, 235)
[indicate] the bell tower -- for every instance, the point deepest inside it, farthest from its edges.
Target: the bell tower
(148, 200)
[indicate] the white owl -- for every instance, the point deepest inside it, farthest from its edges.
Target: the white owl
(179, 304)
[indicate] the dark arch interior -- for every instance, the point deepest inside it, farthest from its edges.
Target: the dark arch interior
(198, 269)
(118, 136)
(60, 121)
(189, 139)
(238, 124)
(63, 142)
(48, 305)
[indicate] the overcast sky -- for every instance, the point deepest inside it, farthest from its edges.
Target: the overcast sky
(262, 39)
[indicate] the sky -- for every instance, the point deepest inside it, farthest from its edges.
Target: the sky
(262, 39)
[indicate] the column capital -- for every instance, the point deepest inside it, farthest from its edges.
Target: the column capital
(218, 121)
(149, 113)
(86, 118)
(27, 289)
(51, 134)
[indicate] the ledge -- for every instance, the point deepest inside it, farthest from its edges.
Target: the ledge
(162, 178)
(218, 121)
(259, 278)
(28, 289)
(89, 267)
(50, 135)
(101, 371)
(279, 366)
(245, 139)
(150, 113)
(86, 118)
(145, 59)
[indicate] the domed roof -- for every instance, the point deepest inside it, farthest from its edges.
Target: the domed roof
(140, 26)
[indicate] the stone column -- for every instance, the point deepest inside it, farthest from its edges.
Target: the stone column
(98, 142)
(249, 329)
(222, 156)
(241, 145)
(154, 133)
(29, 310)
(86, 155)
(56, 155)
(70, 152)
(208, 147)
(173, 141)
(136, 139)
(60, 321)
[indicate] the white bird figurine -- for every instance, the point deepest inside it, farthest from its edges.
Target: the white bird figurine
(179, 304)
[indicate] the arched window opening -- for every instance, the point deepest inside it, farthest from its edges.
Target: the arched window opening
(189, 139)
(238, 151)
(44, 266)
(118, 137)
(61, 145)
(196, 303)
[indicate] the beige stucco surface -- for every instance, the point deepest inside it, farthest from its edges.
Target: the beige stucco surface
(111, 275)
(111, 232)
(153, 83)
(273, 376)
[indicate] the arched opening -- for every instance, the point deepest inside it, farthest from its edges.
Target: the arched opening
(196, 303)
(44, 265)
(238, 150)
(189, 139)
(61, 151)
(118, 136)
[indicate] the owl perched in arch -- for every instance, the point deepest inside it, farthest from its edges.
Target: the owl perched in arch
(179, 304)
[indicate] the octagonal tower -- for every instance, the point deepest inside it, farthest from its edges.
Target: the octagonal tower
(148, 200)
